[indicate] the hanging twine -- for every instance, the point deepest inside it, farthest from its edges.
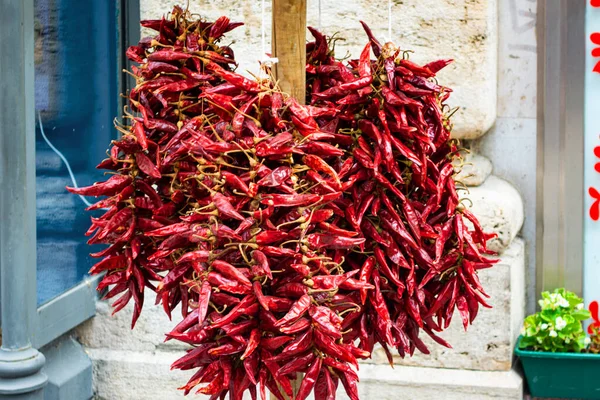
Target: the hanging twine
(389, 20)
(265, 61)
(319, 22)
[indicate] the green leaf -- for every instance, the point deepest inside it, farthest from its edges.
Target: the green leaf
(571, 338)
(581, 315)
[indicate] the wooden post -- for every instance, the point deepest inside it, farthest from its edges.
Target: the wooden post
(288, 44)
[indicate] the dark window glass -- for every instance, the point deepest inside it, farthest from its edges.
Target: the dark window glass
(75, 99)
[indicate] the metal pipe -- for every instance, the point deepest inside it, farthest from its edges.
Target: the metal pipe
(20, 363)
(560, 187)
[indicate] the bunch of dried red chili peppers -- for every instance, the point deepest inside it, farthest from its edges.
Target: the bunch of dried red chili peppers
(293, 238)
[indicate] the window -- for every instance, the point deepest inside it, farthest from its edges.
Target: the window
(76, 99)
(60, 79)
(60, 92)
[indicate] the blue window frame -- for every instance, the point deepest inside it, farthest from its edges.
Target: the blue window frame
(76, 99)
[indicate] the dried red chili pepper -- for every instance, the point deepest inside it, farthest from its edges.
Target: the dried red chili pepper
(297, 310)
(309, 380)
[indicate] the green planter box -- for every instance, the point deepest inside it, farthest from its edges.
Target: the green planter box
(564, 375)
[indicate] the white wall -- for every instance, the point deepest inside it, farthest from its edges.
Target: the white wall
(511, 143)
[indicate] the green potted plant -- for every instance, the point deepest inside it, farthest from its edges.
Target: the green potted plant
(553, 349)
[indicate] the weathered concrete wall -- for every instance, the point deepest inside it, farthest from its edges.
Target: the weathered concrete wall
(511, 143)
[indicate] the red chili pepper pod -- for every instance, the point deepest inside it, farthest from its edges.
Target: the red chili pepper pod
(203, 301)
(298, 364)
(276, 177)
(309, 379)
(233, 78)
(396, 228)
(318, 241)
(225, 208)
(350, 385)
(284, 200)
(270, 237)
(274, 343)
(326, 320)
(247, 306)
(299, 345)
(108, 263)
(252, 344)
(319, 165)
(443, 297)
(297, 310)
(112, 186)
(257, 287)
(299, 326)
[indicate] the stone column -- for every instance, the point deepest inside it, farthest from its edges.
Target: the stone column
(20, 363)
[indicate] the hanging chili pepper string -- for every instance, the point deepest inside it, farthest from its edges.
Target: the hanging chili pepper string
(213, 207)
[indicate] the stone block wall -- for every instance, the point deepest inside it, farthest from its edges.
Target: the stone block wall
(135, 364)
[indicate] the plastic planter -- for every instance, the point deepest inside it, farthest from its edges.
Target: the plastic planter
(564, 375)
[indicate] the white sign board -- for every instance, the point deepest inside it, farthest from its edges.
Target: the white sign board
(591, 271)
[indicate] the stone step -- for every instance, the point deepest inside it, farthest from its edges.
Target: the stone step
(116, 371)
(416, 383)
(499, 208)
(126, 375)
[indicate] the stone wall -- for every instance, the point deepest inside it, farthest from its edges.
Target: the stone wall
(511, 142)
(135, 364)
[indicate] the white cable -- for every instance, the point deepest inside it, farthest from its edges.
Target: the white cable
(263, 31)
(63, 158)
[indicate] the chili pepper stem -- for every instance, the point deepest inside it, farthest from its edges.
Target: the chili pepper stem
(296, 221)
(221, 162)
(243, 253)
(459, 206)
(217, 309)
(251, 245)
(289, 241)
